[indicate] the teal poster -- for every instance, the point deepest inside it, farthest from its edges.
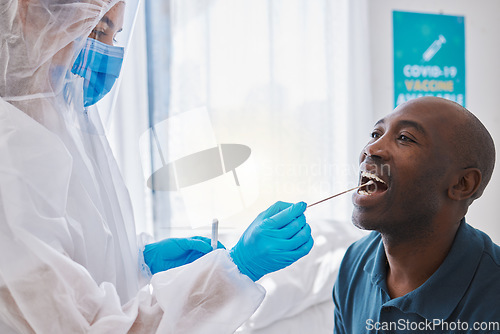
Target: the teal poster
(429, 56)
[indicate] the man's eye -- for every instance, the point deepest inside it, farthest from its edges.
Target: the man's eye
(375, 135)
(406, 139)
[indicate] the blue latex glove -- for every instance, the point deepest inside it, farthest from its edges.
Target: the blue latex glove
(277, 238)
(175, 252)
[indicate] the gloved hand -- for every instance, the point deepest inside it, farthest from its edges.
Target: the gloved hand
(277, 238)
(175, 252)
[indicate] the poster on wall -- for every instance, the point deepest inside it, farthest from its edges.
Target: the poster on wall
(429, 56)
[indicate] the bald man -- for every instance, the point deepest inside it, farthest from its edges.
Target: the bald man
(423, 269)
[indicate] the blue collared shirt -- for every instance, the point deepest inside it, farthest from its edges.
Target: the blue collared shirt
(462, 296)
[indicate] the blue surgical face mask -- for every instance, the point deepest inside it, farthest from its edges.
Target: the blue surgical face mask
(99, 64)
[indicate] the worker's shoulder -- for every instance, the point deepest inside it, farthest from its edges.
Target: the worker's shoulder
(19, 130)
(29, 151)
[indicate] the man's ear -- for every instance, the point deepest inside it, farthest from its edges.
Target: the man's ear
(467, 183)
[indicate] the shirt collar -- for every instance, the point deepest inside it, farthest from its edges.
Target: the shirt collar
(441, 293)
(376, 266)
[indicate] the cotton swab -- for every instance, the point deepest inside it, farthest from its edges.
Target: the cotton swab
(215, 233)
(346, 191)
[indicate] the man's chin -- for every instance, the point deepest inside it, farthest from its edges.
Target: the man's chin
(364, 223)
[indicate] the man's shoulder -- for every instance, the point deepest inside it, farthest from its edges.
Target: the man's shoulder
(491, 251)
(480, 302)
(484, 291)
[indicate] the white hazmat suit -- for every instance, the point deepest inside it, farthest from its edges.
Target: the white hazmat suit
(69, 257)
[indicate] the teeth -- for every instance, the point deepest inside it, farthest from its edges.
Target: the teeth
(372, 177)
(363, 192)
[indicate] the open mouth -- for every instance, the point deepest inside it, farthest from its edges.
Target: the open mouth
(377, 186)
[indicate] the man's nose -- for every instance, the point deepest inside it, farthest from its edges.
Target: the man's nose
(377, 150)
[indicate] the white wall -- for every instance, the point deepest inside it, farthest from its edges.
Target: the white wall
(482, 56)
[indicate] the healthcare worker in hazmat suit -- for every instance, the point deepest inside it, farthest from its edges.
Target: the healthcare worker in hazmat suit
(69, 257)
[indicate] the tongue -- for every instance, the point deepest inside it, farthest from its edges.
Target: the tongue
(376, 187)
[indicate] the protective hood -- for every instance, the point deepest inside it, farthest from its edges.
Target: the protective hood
(75, 188)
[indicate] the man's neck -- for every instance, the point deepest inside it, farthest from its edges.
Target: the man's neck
(412, 262)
